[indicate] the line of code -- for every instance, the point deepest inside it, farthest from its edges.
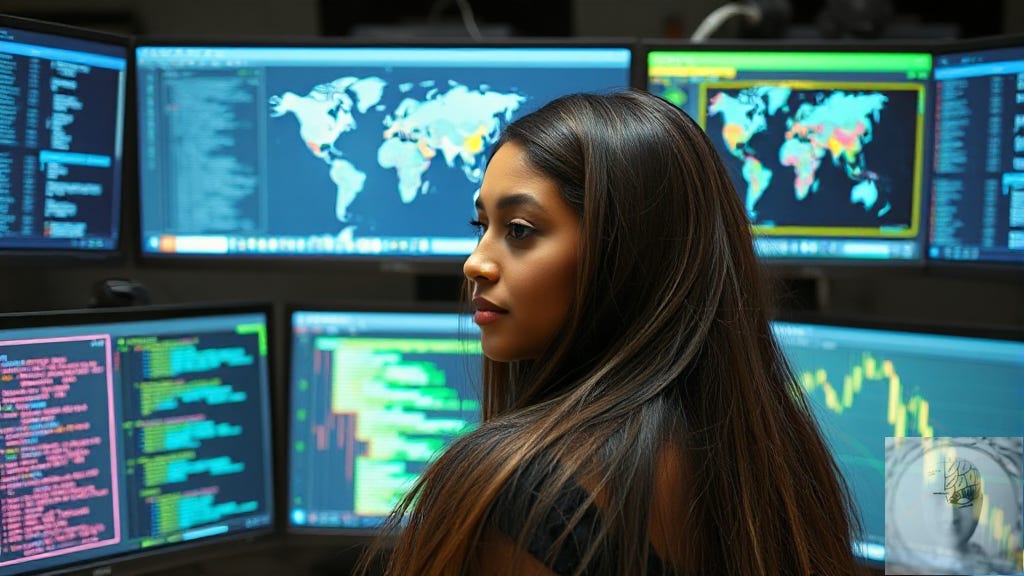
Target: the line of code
(58, 478)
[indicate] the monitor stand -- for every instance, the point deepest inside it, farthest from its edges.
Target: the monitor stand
(115, 292)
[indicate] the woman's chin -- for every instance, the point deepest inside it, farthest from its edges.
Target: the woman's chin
(498, 355)
(498, 351)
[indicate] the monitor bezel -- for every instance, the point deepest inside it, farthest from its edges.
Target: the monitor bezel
(423, 264)
(796, 265)
(987, 269)
(183, 553)
(939, 328)
(46, 257)
(357, 537)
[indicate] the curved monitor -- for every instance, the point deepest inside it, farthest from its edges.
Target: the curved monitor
(132, 437)
(977, 207)
(336, 151)
(375, 395)
(827, 146)
(880, 392)
(62, 108)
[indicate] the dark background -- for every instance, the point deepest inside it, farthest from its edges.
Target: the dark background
(651, 18)
(931, 296)
(928, 295)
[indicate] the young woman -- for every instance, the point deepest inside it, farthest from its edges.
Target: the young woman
(638, 415)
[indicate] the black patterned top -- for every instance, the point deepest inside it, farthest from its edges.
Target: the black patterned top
(509, 518)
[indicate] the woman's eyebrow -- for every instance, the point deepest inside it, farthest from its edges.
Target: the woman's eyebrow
(511, 200)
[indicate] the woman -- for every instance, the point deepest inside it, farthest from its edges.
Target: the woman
(638, 415)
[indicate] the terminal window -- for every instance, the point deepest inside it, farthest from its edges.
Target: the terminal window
(118, 438)
(375, 398)
(58, 436)
(61, 131)
(977, 209)
(826, 149)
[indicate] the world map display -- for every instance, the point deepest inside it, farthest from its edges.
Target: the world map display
(818, 157)
(403, 141)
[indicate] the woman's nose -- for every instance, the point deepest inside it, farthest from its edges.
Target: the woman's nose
(479, 268)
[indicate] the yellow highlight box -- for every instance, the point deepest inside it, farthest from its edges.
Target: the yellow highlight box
(690, 71)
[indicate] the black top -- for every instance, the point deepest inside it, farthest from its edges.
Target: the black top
(509, 518)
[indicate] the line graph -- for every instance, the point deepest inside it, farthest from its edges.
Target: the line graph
(912, 412)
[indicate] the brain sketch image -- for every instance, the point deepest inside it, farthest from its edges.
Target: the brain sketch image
(954, 505)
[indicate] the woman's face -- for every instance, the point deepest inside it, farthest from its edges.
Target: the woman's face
(524, 267)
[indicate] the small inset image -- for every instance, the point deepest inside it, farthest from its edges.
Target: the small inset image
(954, 505)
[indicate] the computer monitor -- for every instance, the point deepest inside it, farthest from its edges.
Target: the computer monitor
(977, 190)
(134, 437)
(825, 145)
(336, 151)
(62, 108)
(866, 383)
(376, 394)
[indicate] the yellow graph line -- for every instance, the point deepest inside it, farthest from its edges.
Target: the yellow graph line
(913, 412)
(994, 520)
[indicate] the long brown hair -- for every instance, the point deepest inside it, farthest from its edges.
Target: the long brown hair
(667, 350)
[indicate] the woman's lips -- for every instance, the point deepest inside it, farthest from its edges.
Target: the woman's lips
(486, 311)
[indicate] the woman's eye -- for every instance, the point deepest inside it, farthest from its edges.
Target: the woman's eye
(520, 231)
(478, 226)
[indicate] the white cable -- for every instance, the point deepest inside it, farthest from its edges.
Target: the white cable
(713, 21)
(468, 19)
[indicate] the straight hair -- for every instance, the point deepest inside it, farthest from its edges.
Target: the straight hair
(666, 367)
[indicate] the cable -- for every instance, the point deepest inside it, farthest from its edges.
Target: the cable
(713, 21)
(465, 10)
(468, 19)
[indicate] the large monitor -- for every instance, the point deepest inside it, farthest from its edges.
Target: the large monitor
(826, 146)
(62, 108)
(977, 207)
(137, 437)
(869, 383)
(376, 394)
(336, 151)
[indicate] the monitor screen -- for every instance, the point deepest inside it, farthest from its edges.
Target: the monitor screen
(335, 151)
(869, 384)
(135, 432)
(62, 102)
(977, 207)
(375, 396)
(825, 148)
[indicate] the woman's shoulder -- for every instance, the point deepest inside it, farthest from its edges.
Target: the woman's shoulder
(525, 492)
(556, 532)
(564, 527)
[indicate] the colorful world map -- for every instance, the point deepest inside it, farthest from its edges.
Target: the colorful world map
(422, 124)
(820, 125)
